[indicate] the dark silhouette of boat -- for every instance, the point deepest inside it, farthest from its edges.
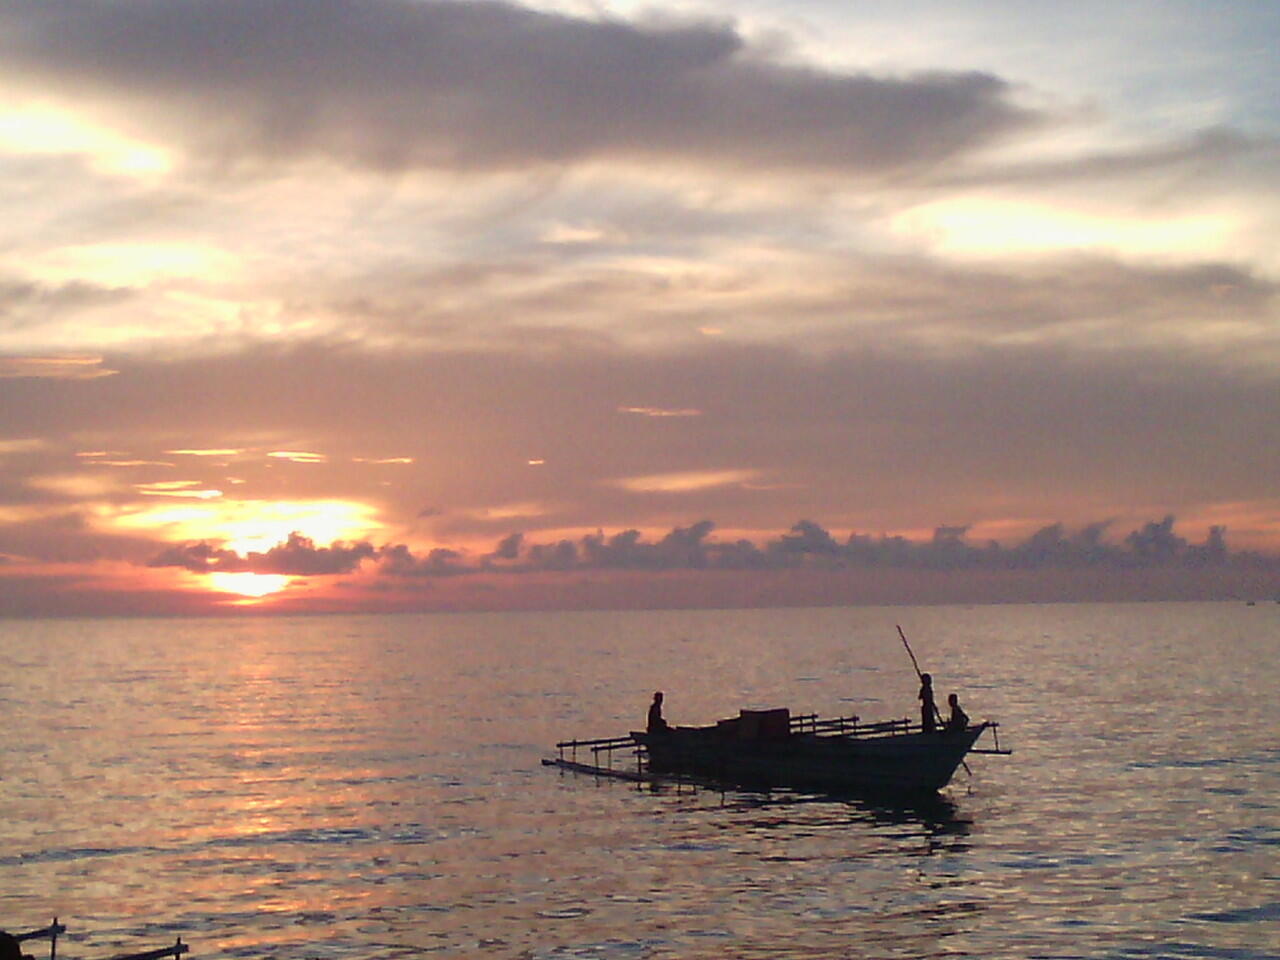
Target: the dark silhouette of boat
(10, 944)
(760, 749)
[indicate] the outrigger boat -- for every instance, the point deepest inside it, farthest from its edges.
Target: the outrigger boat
(773, 748)
(895, 760)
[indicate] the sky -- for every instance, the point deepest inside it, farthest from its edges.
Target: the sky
(319, 305)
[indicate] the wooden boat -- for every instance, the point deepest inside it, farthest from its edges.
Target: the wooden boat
(773, 748)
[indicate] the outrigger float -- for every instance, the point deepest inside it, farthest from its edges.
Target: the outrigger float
(12, 942)
(772, 748)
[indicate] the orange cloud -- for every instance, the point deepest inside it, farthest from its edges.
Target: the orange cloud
(298, 456)
(662, 411)
(27, 445)
(177, 488)
(63, 367)
(683, 482)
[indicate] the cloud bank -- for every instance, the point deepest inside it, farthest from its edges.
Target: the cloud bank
(403, 83)
(298, 556)
(805, 545)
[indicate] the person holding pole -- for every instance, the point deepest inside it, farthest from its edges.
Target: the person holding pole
(928, 709)
(929, 715)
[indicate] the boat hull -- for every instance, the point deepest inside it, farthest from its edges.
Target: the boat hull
(900, 765)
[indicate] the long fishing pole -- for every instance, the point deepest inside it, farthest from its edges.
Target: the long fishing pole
(915, 663)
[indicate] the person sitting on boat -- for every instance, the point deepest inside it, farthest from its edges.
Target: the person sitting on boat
(9, 948)
(656, 723)
(928, 709)
(958, 722)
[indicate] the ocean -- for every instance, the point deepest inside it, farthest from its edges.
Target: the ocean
(372, 787)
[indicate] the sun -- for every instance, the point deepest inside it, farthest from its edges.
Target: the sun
(248, 584)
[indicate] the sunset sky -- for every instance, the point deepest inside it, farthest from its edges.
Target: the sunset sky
(389, 304)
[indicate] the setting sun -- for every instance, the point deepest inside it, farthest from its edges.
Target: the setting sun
(248, 584)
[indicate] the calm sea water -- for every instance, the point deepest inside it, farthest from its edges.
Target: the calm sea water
(361, 787)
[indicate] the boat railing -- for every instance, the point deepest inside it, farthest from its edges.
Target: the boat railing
(812, 723)
(888, 727)
(850, 726)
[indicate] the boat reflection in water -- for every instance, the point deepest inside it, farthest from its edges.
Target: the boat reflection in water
(762, 749)
(808, 823)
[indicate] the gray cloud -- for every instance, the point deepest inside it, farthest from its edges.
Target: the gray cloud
(25, 304)
(394, 83)
(66, 537)
(830, 302)
(200, 557)
(298, 556)
(399, 561)
(807, 544)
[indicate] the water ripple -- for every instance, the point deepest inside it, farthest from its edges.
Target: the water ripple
(352, 788)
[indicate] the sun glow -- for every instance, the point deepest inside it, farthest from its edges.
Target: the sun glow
(986, 226)
(247, 584)
(253, 525)
(39, 129)
(133, 265)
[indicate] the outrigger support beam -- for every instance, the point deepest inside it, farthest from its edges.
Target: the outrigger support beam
(177, 950)
(51, 931)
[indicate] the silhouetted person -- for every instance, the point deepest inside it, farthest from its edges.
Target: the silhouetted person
(928, 709)
(656, 723)
(9, 949)
(958, 722)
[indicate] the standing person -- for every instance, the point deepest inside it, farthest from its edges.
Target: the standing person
(656, 723)
(958, 722)
(928, 709)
